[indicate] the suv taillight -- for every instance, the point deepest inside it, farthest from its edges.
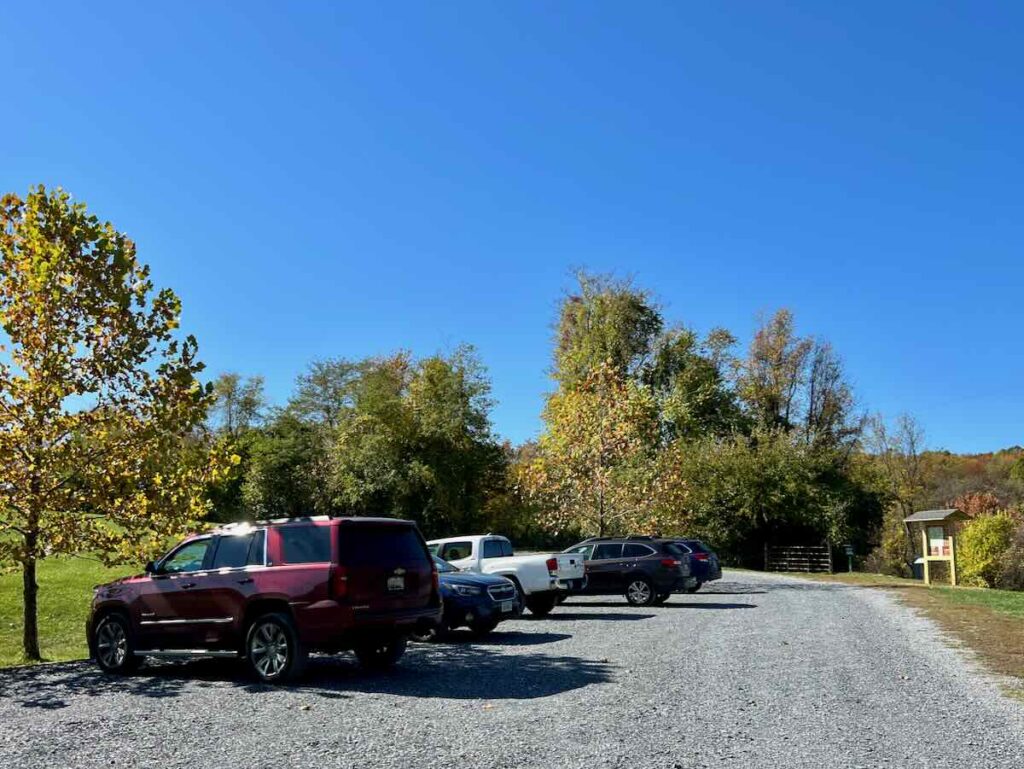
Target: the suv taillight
(339, 582)
(670, 563)
(700, 556)
(435, 578)
(552, 564)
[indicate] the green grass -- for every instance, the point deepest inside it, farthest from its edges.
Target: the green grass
(65, 590)
(999, 601)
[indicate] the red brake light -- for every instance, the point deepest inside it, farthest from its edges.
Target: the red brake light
(670, 563)
(700, 556)
(435, 577)
(339, 582)
(552, 564)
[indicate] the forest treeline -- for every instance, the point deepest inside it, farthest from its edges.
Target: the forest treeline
(649, 427)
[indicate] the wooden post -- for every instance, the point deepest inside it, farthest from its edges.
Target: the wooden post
(952, 559)
(924, 554)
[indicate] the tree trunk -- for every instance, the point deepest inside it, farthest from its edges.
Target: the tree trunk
(30, 639)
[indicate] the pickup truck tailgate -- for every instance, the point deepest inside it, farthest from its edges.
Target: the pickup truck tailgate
(570, 566)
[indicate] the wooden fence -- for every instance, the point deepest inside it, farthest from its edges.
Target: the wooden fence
(811, 558)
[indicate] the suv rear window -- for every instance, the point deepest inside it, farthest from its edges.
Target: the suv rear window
(306, 543)
(384, 545)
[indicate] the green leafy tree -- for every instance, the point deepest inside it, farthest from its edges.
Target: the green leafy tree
(607, 322)
(417, 441)
(592, 469)
(99, 404)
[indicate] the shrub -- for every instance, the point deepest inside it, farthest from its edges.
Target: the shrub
(1011, 576)
(982, 546)
(893, 552)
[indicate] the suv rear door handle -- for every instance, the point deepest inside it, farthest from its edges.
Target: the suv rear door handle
(187, 585)
(246, 581)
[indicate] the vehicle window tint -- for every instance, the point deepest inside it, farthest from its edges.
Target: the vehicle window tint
(384, 546)
(584, 550)
(257, 548)
(305, 544)
(698, 547)
(453, 551)
(492, 548)
(606, 551)
(190, 557)
(506, 547)
(674, 549)
(232, 551)
(632, 550)
(684, 547)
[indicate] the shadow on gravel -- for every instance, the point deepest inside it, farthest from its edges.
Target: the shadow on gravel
(445, 671)
(670, 604)
(500, 638)
(603, 616)
(47, 686)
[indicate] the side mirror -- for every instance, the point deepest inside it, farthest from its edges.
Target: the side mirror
(150, 567)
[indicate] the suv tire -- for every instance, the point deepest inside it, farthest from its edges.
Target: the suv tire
(639, 591)
(694, 588)
(273, 648)
(115, 646)
(540, 605)
(382, 653)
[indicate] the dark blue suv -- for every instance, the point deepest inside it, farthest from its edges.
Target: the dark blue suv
(703, 562)
(476, 601)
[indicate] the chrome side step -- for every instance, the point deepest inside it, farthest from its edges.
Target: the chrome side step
(184, 653)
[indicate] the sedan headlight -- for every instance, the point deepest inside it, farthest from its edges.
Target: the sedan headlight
(466, 589)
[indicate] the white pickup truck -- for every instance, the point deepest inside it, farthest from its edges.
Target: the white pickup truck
(540, 579)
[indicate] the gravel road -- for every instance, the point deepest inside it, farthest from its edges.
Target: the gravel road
(756, 672)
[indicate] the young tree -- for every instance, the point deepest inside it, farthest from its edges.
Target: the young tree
(98, 403)
(239, 403)
(592, 470)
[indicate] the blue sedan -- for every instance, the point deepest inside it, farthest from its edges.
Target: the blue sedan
(476, 601)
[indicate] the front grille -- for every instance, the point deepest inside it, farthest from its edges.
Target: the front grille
(502, 592)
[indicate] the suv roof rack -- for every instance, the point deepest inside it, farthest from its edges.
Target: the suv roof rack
(627, 536)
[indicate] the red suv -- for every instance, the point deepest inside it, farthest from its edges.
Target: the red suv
(272, 592)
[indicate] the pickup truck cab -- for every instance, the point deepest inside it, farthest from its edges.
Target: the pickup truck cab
(272, 592)
(539, 579)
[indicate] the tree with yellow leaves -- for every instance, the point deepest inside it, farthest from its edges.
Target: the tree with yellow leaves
(99, 403)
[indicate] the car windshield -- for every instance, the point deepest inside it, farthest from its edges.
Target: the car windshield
(443, 566)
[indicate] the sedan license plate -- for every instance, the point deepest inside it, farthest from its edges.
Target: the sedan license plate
(396, 584)
(508, 606)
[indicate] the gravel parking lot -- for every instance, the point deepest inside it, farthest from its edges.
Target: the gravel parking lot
(756, 672)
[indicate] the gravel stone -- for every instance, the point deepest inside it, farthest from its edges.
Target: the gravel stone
(753, 671)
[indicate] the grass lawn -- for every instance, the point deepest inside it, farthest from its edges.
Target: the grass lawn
(990, 622)
(65, 590)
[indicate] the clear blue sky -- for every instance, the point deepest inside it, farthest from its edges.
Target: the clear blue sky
(347, 179)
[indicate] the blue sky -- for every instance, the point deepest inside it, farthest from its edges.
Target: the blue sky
(347, 179)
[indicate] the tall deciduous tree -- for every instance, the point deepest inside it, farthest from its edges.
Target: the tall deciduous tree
(592, 470)
(98, 401)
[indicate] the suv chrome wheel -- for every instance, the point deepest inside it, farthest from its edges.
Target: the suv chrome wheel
(268, 650)
(274, 649)
(112, 644)
(639, 592)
